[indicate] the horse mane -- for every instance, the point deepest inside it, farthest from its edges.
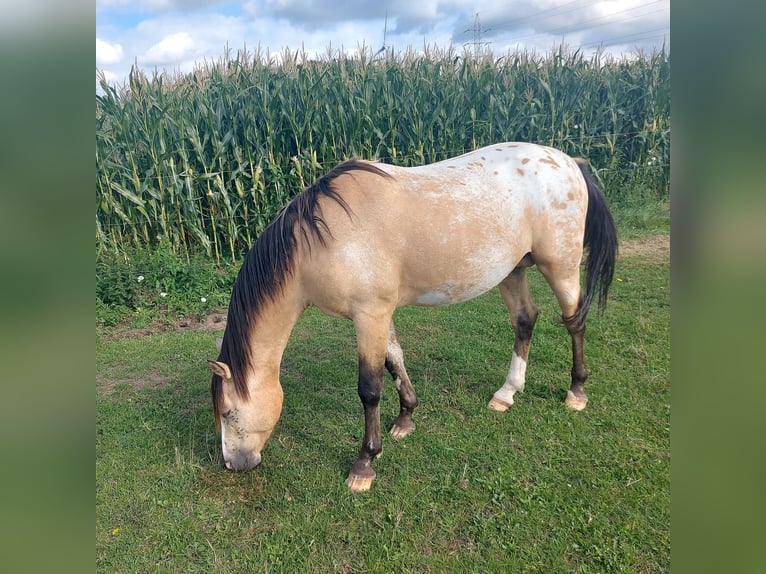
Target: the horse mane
(269, 262)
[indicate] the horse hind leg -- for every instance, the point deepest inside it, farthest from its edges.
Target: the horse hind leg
(576, 398)
(403, 424)
(565, 283)
(515, 292)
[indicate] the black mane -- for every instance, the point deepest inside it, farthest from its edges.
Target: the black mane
(268, 263)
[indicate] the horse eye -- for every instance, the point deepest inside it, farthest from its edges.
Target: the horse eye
(227, 414)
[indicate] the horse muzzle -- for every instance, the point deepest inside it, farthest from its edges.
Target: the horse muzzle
(240, 463)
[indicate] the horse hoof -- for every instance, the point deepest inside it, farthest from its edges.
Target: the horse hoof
(574, 402)
(398, 432)
(358, 483)
(498, 405)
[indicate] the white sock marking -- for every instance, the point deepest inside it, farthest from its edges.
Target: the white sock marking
(514, 382)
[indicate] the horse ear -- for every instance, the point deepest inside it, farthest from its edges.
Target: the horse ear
(220, 369)
(218, 343)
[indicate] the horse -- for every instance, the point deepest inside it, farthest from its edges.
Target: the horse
(368, 237)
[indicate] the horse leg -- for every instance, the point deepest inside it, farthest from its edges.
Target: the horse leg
(576, 397)
(565, 283)
(403, 424)
(372, 336)
(515, 292)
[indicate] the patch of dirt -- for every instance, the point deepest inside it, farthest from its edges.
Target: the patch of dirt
(211, 322)
(656, 249)
(151, 380)
(215, 321)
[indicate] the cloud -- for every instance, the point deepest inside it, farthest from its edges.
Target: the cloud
(110, 77)
(541, 24)
(156, 5)
(171, 49)
(313, 14)
(174, 34)
(403, 15)
(107, 53)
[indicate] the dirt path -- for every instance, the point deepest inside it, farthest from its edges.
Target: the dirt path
(655, 249)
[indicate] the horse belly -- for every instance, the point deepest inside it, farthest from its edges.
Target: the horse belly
(440, 280)
(456, 250)
(456, 291)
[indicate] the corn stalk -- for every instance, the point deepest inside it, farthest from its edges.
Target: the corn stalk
(205, 160)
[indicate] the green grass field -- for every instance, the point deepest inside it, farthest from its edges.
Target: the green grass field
(537, 489)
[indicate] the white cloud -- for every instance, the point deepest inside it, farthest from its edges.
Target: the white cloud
(174, 34)
(107, 53)
(110, 77)
(171, 49)
(156, 5)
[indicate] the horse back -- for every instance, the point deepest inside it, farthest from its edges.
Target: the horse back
(449, 231)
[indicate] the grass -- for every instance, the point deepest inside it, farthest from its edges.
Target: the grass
(537, 489)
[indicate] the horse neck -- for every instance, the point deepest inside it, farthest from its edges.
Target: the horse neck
(273, 327)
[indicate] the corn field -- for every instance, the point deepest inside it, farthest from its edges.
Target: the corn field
(203, 161)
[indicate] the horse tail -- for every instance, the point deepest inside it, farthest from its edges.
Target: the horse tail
(601, 242)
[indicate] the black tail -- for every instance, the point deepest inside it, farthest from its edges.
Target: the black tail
(601, 243)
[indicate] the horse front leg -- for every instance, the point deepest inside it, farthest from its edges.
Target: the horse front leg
(372, 337)
(408, 401)
(370, 387)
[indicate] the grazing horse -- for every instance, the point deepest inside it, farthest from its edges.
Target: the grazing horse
(367, 238)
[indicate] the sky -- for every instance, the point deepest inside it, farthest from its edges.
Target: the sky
(177, 35)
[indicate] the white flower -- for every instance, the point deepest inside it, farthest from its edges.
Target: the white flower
(140, 278)
(203, 299)
(163, 294)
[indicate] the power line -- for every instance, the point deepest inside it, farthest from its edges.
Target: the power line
(583, 26)
(566, 30)
(631, 37)
(556, 10)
